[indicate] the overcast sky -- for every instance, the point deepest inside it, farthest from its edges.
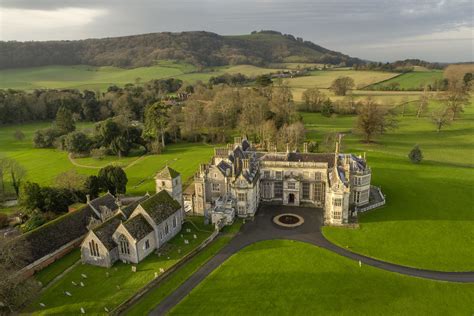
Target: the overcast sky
(384, 30)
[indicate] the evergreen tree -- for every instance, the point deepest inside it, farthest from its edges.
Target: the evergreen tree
(113, 179)
(64, 120)
(415, 155)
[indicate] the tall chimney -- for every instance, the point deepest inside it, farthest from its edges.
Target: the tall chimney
(88, 198)
(287, 148)
(305, 147)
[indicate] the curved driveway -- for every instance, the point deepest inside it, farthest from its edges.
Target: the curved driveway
(262, 228)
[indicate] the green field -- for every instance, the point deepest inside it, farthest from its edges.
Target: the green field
(429, 217)
(100, 78)
(43, 165)
(292, 278)
(146, 304)
(102, 291)
(413, 80)
(323, 78)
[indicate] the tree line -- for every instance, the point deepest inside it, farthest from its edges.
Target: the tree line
(201, 49)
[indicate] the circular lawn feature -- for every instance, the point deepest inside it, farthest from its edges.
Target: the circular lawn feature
(288, 220)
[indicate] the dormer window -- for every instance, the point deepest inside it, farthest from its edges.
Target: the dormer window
(162, 183)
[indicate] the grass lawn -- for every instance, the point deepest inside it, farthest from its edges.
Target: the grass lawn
(53, 270)
(43, 165)
(429, 217)
(293, 278)
(154, 297)
(414, 80)
(102, 291)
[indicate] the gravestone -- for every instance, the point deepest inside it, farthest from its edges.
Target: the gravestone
(134, 268)
(156, 275)
(82, 284)
(74, 283)
(84, 276)
(186, 241)
(67, 293)
(42, 305)
(194, 236)
(83, 311)
(162, 270)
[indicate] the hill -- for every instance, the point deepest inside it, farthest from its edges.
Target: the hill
(197, 48)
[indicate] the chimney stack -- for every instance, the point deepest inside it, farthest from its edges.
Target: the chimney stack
(88, 198)
(287, 148)
(305, 148)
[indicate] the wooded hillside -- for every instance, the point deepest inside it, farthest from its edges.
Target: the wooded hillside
(198, 48)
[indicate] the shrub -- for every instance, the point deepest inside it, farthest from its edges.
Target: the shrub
(19, 135)
(3, 220)
(99, 153)
(415, 155)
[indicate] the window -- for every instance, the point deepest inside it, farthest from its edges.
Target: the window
(279, 175)
(215, 187)
(291, 185)
(317, 176)
(278, 189)
(147, 244)
(336, 215)
(337, 202)
(215, 175)
(94, 249)
(124, 247)
(167, 229)
(162, 183)
(361, 196)
(266, 174)
(318, 194)
(306, 187)
(161, 234)
(242, 197)
(241, 210)
(174, 222)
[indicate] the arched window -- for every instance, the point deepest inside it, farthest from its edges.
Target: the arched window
(166, 229)
(94, 249)
(174, 222)
(124, 247)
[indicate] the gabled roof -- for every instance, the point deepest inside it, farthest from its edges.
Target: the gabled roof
(107, 200)
(105, 231)
(160, 206)
(138, 227)
(223, 167)
(128, 209)
(167, 173)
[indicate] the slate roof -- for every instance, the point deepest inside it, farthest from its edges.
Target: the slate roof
(223, 167)
(55, 234)
(300, 157)
(245, 145)
(107, 200)
(129, 208)
(105, 231)
(138, 227)
(160, 206)
(167, 173)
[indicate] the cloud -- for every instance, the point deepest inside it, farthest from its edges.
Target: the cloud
(356, 27)
(18, 24)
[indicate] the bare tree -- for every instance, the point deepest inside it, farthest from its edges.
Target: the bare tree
(16, 171)
(374, 119)
(441, 118)
(341, 85)
(423, 103)
(454, 99)
(15, 289)
(70, 180)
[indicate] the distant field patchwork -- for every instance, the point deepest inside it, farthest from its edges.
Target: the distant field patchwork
(412, 80)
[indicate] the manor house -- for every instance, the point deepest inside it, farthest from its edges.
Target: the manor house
(239, 178)
(130, 233)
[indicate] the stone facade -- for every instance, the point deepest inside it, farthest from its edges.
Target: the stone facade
(132, 232)
(334, 182)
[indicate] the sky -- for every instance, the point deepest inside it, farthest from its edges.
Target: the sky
(379, 30)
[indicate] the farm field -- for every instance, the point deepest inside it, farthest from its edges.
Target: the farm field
(323, 78)
(288, 277)
(119, 284)
(100, 78)
(86, 77)
(43, 165)
(413, 80)
(429, 216)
